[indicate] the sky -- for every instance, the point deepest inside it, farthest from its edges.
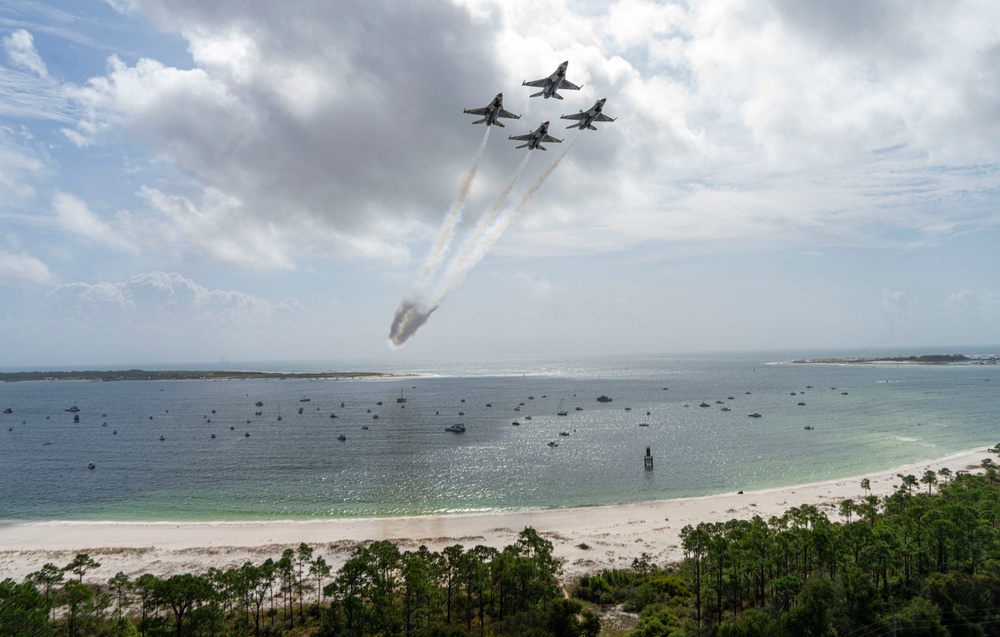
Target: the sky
(246, 180)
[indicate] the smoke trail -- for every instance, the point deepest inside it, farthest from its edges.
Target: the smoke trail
(413, 312)
(457, 265)
(408, 319)
(451, 220)
(476, 252)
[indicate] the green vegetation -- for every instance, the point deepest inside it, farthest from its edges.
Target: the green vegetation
(924, 560)
(917, 562)
(378, 591)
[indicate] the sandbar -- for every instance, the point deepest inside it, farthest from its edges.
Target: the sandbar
(585, 539)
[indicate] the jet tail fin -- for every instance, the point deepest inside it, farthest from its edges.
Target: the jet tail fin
(591, 127)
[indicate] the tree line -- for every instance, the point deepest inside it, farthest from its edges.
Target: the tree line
(378, 591)
(923, 560)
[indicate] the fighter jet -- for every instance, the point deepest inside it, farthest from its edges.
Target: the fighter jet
(536, 137)
(553, 83)
(591, 115)
(491, 112)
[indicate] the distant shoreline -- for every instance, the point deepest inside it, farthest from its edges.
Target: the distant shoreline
(930, 359)
(139, 374)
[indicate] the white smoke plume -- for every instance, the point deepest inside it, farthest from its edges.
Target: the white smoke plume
(466, 259)
(451, 221)
(414, 311)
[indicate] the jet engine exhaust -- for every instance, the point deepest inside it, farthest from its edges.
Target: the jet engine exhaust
(451, 220)
(414, 310)
(408, 319)
(464, 261)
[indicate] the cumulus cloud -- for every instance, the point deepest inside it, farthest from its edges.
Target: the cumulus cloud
(22, 268)
(336, 129)
(975, 307)
(73, 215)
(19, 166)
(168, 302)
(20, 49)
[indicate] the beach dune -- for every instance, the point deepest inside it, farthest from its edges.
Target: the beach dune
(586, 539)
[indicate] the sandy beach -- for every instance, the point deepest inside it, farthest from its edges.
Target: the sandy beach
(586, 539)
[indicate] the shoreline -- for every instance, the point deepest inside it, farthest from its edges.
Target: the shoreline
(586, 539)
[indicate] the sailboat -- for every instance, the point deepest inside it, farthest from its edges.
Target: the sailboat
(561, 411)
(401, 399)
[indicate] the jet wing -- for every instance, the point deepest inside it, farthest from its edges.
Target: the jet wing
(550, 138)
(477, 111)
(604, 118)
(508, 114)
(522, 138)
(579, 115)
(538, 83)
(569, 86)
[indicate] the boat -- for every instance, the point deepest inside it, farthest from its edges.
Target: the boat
(726, 409)
(552, 443)
(579, 408)
(73, 409)
(754, 415)
(516, 424)
(259, 404)
(457, 428)
(801, 404)
(401, 398)
(561, 411)
(527, 417)
(563, 433)
(604, 399)
(304, 399)
(8, 411)
(643, 424)
(342, 437)
(704, 404)
(300, 410)
(808, 427)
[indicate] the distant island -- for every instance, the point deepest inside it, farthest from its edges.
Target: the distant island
(927, 359)
(140, 374)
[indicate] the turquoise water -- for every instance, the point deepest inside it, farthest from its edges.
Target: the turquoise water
(406, 463)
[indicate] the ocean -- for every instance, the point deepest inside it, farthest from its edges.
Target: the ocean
(219, 460)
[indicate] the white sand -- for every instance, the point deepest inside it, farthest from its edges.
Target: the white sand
(613, 535)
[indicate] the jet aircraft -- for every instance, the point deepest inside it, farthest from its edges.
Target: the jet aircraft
(553, 83)
(491, 112)
(588, 117)
(535, 138)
